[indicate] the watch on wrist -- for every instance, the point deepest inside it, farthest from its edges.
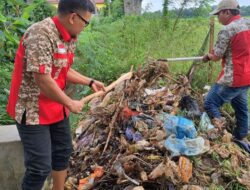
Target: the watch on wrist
(91, 82)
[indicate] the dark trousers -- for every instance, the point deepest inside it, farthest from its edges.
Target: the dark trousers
(46, 147)
(218, 95)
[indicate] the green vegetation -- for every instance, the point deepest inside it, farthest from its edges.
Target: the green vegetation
(135, 40)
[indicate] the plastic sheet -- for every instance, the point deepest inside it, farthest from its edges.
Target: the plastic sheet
(205, 123)
(186, 146)
(179, 126)
(133, 135)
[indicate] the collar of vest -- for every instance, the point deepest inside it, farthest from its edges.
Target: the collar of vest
(62, 30)
(234, 18)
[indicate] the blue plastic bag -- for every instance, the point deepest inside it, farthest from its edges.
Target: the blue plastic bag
(179, 126)
(185, 146)
(133, 135)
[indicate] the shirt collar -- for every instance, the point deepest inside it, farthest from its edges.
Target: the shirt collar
(234, 18)
(62, 30)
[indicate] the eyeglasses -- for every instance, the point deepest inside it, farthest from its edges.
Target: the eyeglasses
(84, 20)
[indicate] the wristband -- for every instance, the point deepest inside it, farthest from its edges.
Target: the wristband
(91, 82)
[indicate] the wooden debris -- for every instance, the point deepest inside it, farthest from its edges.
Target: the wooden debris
(124, 133)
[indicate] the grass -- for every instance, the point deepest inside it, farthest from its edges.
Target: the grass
(106, 50)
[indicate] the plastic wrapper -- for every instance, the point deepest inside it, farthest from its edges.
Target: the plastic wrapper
(179, 126)
(186, 146)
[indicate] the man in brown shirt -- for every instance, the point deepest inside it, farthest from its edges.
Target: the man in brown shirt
(37, 100)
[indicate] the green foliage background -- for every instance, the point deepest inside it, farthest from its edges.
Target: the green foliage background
(107, 49)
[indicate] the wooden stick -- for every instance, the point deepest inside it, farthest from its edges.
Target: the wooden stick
(211, 40)
(211, 44)
(112, 123)
(124, 77)
(195, 63)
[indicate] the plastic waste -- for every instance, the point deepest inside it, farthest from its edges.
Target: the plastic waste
(133, 135)
(205, 123)
(153, 92)
(190, 104)
(117, 167)
(84, 141)
(137, 126)
(127, 113)
(179, 126)
(186, 146)
(88, 182)
(129, 133)
(145, 118)
(137, 136)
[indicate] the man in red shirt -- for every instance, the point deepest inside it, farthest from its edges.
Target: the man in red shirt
(233, 47)
(37, 100)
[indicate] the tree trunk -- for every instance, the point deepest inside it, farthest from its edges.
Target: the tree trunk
(165, 12)
(132, 7)
(165, 8)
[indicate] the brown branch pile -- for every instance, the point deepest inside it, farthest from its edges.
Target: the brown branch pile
(146, 164)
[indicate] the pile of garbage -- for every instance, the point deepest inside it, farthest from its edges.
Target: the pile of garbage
(151, 133)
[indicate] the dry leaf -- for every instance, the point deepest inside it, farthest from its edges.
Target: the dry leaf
(227, 137)
(235, 162)
(191, 187)
(245, 179)
(129, 166)
(123, 141)
(222, 151)
(161, 135)
(171, 171)
(138, 188)
(185, 169)
(157, 172)
(144, 176)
